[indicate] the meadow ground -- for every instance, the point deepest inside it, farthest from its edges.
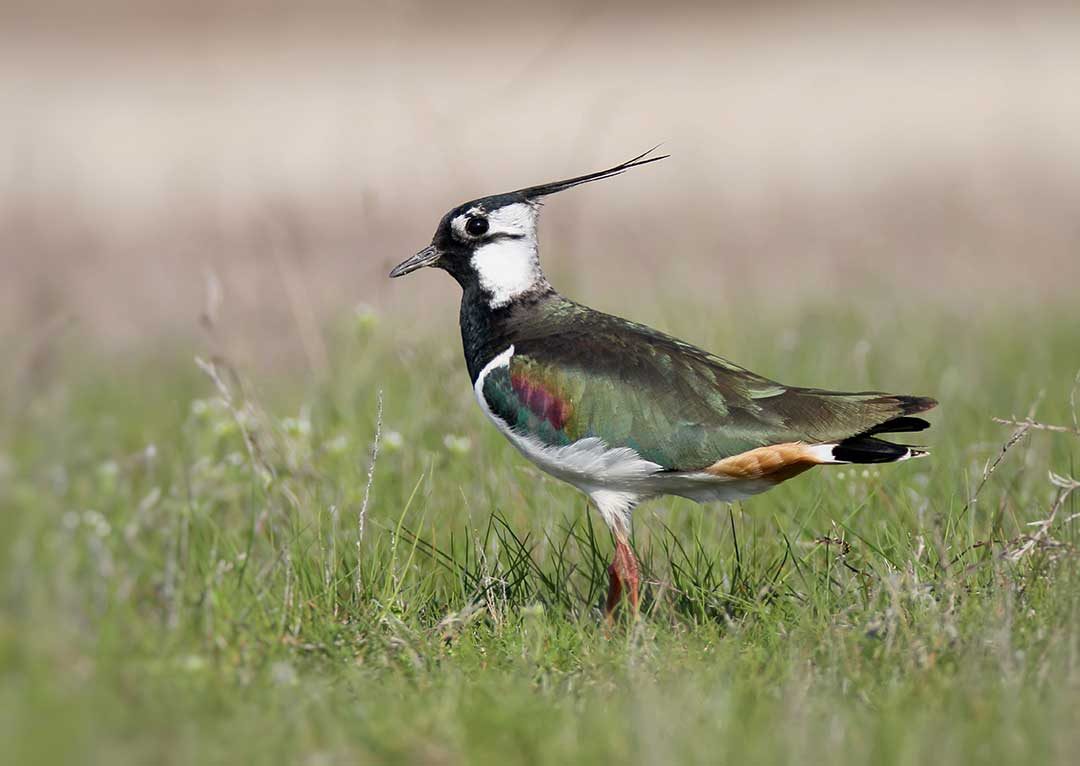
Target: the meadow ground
(173, 592)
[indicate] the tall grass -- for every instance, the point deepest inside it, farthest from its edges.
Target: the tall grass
(198, 566)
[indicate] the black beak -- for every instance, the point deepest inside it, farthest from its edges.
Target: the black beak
(425, 257)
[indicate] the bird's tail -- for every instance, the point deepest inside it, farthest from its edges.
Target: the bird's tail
(868, 448)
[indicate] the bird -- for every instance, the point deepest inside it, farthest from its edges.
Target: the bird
(624, 412)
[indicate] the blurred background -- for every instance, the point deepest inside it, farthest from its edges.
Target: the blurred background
(269, 162)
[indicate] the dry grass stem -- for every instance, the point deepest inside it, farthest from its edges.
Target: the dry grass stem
(367, 487)
(1028, 423)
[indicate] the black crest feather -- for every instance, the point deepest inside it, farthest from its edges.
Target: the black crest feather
(542, 190)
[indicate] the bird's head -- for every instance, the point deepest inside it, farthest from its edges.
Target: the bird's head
(491, 242)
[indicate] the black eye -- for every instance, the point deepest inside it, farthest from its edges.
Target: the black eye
(476, 226)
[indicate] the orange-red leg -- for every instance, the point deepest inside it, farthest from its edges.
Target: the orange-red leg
(623, 573)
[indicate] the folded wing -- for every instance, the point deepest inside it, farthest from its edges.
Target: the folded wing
(675, 404)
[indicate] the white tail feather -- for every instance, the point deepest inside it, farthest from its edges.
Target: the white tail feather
(823, 454)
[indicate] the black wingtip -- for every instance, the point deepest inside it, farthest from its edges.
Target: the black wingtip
(902, 424)
(911, 405)
(543, 190)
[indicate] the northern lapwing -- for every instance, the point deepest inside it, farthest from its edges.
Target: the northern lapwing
(619, 410)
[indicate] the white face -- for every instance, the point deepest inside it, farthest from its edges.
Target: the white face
(509, 264)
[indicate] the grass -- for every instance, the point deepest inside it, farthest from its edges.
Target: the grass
(173, 591)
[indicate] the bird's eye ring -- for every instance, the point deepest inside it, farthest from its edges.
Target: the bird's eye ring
(476, 226)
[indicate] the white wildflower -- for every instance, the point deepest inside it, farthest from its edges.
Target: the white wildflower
(337, 445)
(392, 440)
(365, 318)
(298, 426)
(457, 444)
(96, 522)
(192, 663)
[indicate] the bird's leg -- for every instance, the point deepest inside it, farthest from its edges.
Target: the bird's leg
(623, 572)
(614, 593)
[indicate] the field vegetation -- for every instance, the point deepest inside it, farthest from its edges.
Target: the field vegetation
(201, 563)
